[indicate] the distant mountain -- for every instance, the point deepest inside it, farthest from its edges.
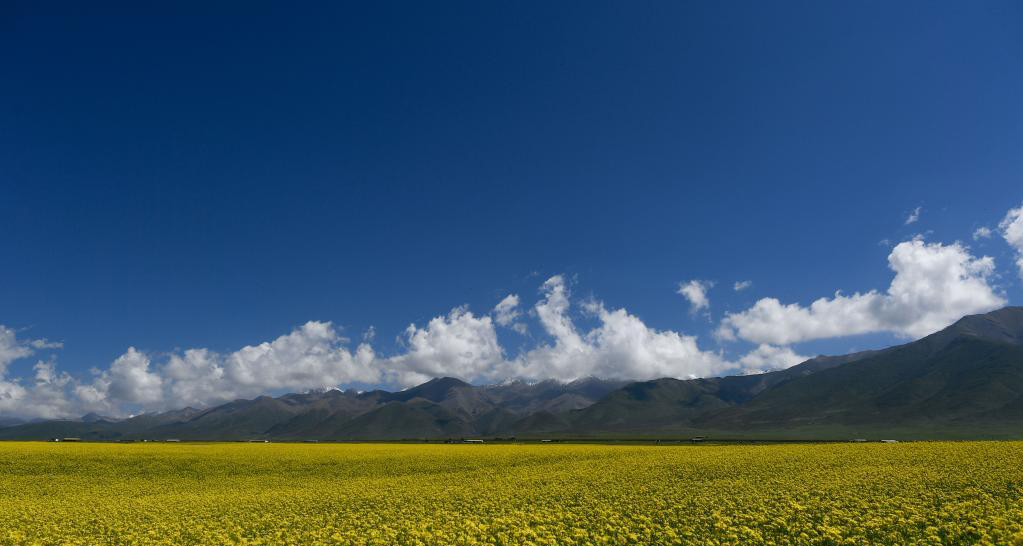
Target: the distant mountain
(964, 381)
(442, 407)
(967, 375)
(95, 418)
(10, 421)
(664, 405)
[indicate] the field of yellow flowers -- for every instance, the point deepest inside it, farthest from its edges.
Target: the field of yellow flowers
(510, 494)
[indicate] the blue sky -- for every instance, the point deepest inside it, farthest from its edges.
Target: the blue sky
(217, 181)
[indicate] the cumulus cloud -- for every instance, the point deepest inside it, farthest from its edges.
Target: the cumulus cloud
(459, 344)
(313, 356)
(695, 291)
(130, 380)
(739, 286)
(43, 396)
(11, 348)
(617, 344)
(620, 346)
(934, 285)
(1012, 230)
(914, 216)
(982, 233)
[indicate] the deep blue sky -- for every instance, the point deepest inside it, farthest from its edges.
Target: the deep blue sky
(184, 180)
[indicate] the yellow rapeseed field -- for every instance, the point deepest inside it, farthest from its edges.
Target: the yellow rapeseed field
(510, 494)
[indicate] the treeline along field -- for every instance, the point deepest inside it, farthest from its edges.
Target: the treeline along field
(510, 494)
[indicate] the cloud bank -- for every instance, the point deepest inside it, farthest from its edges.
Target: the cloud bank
(934, 284)
(316, 356)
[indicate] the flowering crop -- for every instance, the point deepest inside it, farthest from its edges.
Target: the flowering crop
(510, 494)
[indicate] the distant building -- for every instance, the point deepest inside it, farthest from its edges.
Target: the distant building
(172, 440)
(472, 441)
(889, 441)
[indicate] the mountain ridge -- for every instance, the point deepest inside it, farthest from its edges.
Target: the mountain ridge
(964, 377)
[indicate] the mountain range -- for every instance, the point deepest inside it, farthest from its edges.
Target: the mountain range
(965, 381)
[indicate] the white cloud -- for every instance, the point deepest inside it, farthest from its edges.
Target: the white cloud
(695, 292)
(982, 233)
(130, 380)
(197, 377)
(43, 397)
(739, 286)
(553, 313)
(460, 345)
(506, 313)
(1012, 230)
(310, 357)
(914, 216)
(620, 346)
(11, 348)
(934, 285)
(767, 358)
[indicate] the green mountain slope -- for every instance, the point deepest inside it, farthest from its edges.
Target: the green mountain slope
(970, 373)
